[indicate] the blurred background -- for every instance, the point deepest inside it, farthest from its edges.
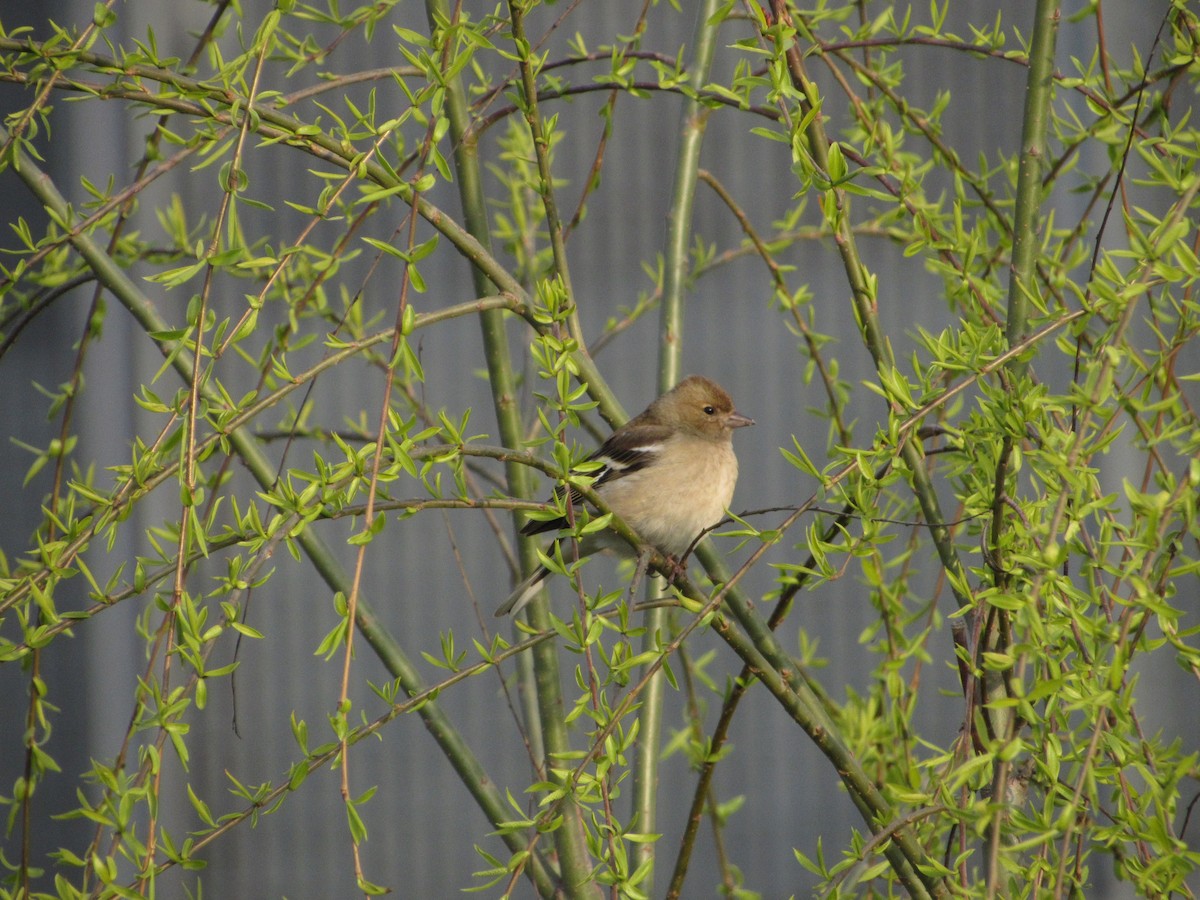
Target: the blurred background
(423, 825)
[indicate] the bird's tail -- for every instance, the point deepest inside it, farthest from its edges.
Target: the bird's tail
(523, 593)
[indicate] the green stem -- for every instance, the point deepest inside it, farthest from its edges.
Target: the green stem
(864, 300)
(733, 699)
(1039, 94)
(115, 279)
(570, 841)
(1022, 285)
(759, 649)
(541, 149)
(904, 853)
(279, 126)
(693, 121)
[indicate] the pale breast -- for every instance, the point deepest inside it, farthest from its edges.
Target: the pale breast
(671, 502)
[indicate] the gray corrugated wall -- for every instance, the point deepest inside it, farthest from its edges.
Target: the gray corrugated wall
(422, 822)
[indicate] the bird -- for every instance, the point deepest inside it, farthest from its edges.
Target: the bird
(668, 473)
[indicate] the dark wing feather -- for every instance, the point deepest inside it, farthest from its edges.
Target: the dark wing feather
(629, 449)
(626, 451)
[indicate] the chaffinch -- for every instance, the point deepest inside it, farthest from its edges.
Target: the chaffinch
(668, 473)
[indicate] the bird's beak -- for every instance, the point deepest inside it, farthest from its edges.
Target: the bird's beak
(737, 420)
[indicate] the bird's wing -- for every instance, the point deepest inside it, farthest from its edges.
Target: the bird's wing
(626, 451)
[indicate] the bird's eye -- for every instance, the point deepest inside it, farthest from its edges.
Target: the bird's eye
(710, 411)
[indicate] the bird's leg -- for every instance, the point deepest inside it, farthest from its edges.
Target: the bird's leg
(675, 569)
(672, 569)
